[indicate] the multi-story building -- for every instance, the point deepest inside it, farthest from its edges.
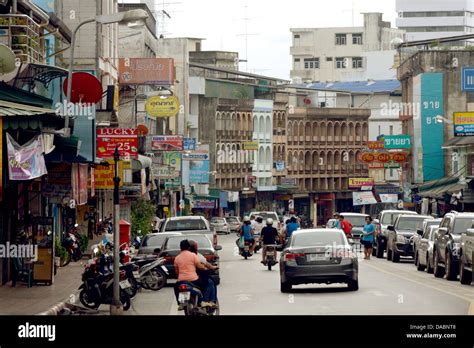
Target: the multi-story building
(324, 145)
(344, 54)
(431, 19)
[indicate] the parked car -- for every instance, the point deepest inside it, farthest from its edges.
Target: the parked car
(448, 242)
(268, 214)
(307, 260)
(190, 225)
(357, 221)
(424, 249)
(419, 233)
(466, 256)
(220, 225)
(234, 223)
(154, 241)
(400, 235)
(171, 249)
(384, 219)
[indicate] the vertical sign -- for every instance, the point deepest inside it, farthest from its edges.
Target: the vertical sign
(432, 106)
(417, 145)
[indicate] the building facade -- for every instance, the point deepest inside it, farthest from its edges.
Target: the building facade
(344, 54)
(431, 19)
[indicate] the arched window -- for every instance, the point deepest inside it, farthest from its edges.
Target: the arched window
(315, 161)
(307, 161)
(301, 162)
(268, 155)
(261, 126)
(268, 130)
(255, 125)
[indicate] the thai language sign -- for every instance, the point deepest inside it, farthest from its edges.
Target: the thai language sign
(463, 124)
(146, 71)
(360, 182)
(167, 143)
(125, 139)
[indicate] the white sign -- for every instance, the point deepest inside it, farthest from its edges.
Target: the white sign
(363, 198)
(389, 198)
(195, 156)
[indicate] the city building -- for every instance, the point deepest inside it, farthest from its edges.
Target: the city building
(346, 53)
(431, 19)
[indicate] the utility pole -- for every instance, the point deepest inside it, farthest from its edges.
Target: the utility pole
(246, 37)
(116, 306)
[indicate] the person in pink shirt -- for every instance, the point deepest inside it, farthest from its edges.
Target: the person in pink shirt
(186, 265)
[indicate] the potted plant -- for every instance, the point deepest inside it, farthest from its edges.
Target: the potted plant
(59, 252)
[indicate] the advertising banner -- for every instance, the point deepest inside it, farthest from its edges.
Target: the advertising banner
(199, 172)
(25, 162)
(167, 143)
(463, 124)
(162, 106)
(389, 198)
(204, 204)
(363, 198)
(104, 176)
(80, 175)
(360, 182)
(146, 71)
(126, 139)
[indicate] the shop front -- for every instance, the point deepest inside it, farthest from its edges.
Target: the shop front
(325, 203)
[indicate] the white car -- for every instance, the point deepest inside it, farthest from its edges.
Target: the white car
(266, 215)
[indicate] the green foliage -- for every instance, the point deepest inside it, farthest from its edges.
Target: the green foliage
(59, 250)
(143, 212)
(84, 240)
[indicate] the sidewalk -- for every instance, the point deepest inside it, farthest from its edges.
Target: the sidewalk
(22, 300)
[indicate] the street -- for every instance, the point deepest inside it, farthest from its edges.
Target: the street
(248, 288)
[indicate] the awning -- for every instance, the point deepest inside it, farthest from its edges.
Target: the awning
(31, 73)
(438, 188)
(15, 109)
(143, 162)
(459, 142)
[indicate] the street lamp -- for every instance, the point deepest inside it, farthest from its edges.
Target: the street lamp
(129, 17)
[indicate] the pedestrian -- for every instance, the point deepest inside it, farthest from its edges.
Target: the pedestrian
(345, 226)
(367, 239)
(337, 223)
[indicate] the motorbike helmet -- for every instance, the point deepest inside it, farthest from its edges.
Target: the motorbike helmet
(269, 221)
(246, 219)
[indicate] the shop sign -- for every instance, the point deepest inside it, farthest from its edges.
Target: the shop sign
(363, 198)
(80, 175)
(463, 124)
(360, 182)
(383, 157)
(389, 198)
(162, 106)
(163, 172)
(125, 139)
(167, 143)
(397, 142)
(104, 176)
(250, 145)
(375, 145)
(289, 182)
(146, 71)
(204, 204)
(189, 144)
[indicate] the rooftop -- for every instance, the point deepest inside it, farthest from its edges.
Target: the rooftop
(369, 87)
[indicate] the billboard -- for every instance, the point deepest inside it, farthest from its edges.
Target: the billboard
(463, 124)
(126, 139)
(363, 198)
(167, 143)
(146, 71)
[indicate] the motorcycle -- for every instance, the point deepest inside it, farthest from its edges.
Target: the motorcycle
(97, 288)
(190, 298)
(72, 245)
(245, 251)
(270, 259)
(150, 273)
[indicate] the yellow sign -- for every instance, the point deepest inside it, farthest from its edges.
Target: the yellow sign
(104, 176)
(250, 146)
(161, 106)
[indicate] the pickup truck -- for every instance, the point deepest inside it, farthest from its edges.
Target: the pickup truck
(190, 225)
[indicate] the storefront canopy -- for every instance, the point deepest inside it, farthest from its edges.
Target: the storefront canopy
(438, 188)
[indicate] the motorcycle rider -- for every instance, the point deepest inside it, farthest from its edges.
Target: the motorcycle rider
(246, 231)
(209, 267)
(291, 227)
(186, 265)
(269, 237)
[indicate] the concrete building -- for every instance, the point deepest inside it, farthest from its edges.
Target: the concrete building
(431, 85)
(344, 54)
(323, 147)
(431, 19)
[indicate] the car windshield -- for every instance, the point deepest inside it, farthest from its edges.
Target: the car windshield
(266, 216)
(185, 225)
(154, 240)
(432, 223)
(202, 242)
(357, 221)
(317, 238)
(462, 224)
(232, 219)
(433, 233)
(389, 218)
(411, 223)
(218, 220)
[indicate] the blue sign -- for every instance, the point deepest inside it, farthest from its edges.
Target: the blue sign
(280, 166)
(189, 144)
(467, 79)
(199, 172)
(223, 200)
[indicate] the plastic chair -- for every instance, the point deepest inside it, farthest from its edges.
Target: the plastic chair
(21, 271)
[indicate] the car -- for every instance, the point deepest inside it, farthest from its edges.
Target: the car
(400, 235)
(190, 225)
(234, 223)
(357, 221)
(466, 256)
(424, 249)
(419, 233)
(154, 241)
(318, 256)
(267, 215)
(447, 244)
(171, 249)
(331, 223)
(220, 225)
(384, 219)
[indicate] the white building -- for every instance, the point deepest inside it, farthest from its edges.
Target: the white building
(262, 116)
(345, 54)
(430, 19)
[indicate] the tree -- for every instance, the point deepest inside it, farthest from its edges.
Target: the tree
(143, 212)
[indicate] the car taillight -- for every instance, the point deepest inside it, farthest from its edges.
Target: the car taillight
(210, 257)
(291, 257)
(183, 287)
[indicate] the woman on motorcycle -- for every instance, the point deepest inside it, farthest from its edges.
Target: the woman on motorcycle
(246, 232)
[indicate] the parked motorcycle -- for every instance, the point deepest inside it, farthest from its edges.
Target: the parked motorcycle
(150, 273)
(270, 259)
(72, 244)
(97, 288)
(190, 298)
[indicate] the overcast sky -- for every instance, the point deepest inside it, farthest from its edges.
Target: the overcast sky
(221, 22)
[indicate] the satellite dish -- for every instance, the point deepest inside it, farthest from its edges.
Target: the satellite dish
(7, 60)
(86, 88)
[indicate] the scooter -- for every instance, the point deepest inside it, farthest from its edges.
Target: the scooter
(190, 298)
(270, 257)
(97, 288)
(245, 251)
(151, 273)
(72, 245)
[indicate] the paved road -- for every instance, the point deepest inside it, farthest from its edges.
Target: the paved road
(248, 288)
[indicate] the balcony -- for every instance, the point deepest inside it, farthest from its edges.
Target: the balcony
(301, 50)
